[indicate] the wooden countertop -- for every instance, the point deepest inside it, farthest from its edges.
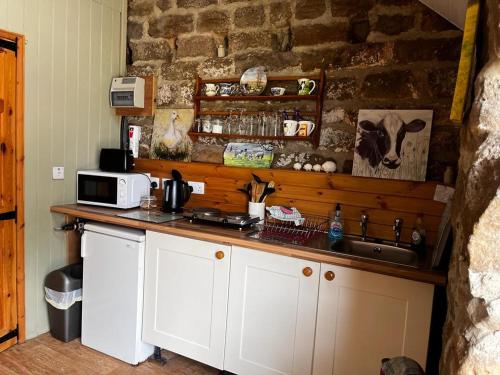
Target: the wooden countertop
(239, 238)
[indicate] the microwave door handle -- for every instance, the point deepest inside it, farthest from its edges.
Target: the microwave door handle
(167, 193)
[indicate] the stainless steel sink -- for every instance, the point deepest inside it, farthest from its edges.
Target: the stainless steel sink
(350, 246)
(354, 247)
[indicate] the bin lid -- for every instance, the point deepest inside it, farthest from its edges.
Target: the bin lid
(65, 279)
(136, 235)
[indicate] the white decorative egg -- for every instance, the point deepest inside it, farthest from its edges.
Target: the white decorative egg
(297, 166)
(317, 168)
(308, 167)
(329, 166)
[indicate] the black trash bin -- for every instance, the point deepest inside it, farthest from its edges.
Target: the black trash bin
(63, 295)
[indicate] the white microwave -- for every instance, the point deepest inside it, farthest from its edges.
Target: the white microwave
(110, 189)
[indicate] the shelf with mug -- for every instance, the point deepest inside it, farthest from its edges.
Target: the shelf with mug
(263, 98)
(201, 108)
(246, 136)
(248, 113)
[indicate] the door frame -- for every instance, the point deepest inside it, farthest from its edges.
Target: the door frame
(19, 144)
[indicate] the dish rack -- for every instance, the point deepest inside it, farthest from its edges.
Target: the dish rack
(286, 231)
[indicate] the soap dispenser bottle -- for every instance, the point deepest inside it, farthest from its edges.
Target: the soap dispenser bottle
(336, 231)
(418, 237)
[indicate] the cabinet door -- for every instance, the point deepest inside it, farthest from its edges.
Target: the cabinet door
(185, 296)
(364, 317)
(271, 314)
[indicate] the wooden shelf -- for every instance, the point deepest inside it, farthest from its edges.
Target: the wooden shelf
(249, 113)
(316, 77)
(261, 137)
(315, 115)
(262, 98)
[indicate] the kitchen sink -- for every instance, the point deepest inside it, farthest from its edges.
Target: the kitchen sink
(352, 246)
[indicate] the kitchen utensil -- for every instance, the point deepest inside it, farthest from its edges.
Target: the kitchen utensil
(267, 191)
(176, 193)
(257, 178)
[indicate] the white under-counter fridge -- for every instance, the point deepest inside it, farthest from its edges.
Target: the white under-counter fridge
(112, 299)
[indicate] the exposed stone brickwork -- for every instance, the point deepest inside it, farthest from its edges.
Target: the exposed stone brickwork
(471, 339)
(376, 53)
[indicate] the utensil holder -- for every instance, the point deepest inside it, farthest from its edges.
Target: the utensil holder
(257, 209)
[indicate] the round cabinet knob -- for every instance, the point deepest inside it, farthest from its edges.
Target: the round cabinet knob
(219, 255)
(329, 275)
(307, 271)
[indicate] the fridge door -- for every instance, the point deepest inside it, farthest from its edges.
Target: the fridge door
(113, 276)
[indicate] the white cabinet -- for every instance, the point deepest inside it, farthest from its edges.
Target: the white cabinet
(185, 296)
(271, 314)
(364, 317)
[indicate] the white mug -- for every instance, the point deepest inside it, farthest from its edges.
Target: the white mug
(211, 89)
(290, 128)
(307, 127)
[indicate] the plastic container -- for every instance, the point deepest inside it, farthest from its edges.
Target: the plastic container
(148, 202)
(336, 230)
(63, 293)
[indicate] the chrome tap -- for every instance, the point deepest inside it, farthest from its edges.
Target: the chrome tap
(398, 224)
(364, 226)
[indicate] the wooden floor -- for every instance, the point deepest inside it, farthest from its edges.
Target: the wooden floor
(46, 355)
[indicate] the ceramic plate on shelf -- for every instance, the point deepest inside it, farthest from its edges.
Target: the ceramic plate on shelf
(253, 81)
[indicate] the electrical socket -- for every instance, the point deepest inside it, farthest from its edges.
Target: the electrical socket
(198, 187)
(157, 180)
(58, 173)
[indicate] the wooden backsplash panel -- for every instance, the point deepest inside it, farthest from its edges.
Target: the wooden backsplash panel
(315, 194)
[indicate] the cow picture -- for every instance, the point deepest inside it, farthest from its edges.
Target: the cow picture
(392, 144)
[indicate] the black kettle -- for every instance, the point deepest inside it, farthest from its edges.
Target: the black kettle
(175, 193)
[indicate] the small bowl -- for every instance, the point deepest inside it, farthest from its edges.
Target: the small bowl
(277, 91)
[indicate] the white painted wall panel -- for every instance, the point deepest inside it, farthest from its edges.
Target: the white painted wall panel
(74, 48)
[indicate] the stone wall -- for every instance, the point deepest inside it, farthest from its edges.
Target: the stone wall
(472, 330)
(377, 54)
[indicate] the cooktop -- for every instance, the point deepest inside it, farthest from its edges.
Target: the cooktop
(215, 216)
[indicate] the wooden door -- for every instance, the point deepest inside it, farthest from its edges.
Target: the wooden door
(8, 300)
(185, 296)
(271, 314)
(364, 317)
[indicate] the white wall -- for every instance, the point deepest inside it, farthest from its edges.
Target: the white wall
(74, 48)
